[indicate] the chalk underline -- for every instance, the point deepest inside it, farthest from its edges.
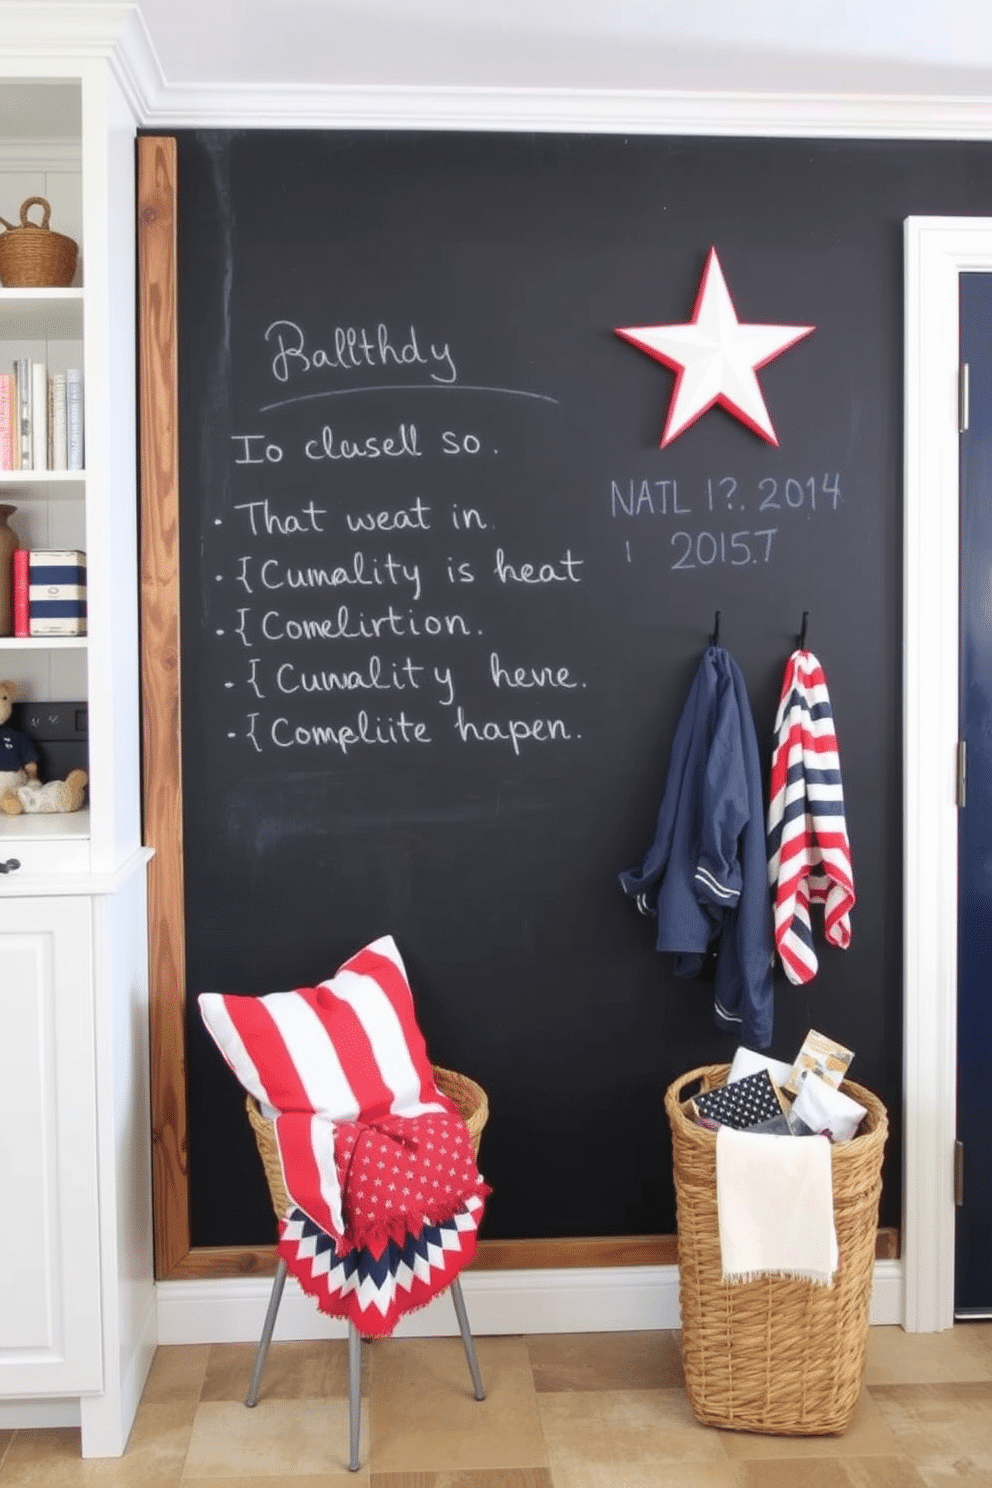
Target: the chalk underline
(408, 387)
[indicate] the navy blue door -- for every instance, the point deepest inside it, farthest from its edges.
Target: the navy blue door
(973, 1261)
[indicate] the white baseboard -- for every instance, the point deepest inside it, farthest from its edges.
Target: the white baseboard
(594, 1300)
(888, 1294)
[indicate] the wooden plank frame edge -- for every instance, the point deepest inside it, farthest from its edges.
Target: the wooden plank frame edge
(158, 364)
(158, 412)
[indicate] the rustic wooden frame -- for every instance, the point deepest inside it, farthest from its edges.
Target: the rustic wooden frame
(175, 1257)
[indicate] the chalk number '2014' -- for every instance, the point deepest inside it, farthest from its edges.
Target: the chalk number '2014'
(792, 494)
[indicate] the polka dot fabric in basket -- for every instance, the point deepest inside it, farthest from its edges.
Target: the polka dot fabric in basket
(744, 1104)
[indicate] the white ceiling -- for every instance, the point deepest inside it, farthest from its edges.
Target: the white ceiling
(902, 48)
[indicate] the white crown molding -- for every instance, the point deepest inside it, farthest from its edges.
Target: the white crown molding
(136, 67)
(62, 32)
(605, 111)
(58, 37)
(59, 30)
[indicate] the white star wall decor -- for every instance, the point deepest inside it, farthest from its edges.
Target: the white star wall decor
(716, 357)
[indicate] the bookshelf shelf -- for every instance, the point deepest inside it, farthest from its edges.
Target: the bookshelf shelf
(43, 643)
(42, 477)
(44, 295)
(57, 826)
(29, 487)
(31, 314)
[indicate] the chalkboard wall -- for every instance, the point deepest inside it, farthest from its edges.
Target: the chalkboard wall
(443, 596)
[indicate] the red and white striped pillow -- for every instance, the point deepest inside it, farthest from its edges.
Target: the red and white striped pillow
(349, 1048)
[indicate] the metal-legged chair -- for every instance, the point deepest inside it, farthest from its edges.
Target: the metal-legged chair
(472, 1102)
(354, 1358)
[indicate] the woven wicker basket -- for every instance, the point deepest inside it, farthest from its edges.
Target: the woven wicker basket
(469, 1097)
(32, 255)
(776, 1356)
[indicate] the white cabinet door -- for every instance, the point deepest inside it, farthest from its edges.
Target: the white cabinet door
(49, 1235)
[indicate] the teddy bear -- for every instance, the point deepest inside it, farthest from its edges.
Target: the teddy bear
(20, 788)
(18, 756)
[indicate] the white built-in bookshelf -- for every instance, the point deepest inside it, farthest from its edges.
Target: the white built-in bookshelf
(41, 154)
(77, 1318)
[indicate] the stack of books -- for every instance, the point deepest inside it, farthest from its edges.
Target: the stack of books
(41, 418)
(49, 592)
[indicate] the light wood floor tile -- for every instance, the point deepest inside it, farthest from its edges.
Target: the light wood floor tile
(945, 1430)
(829, 1472)
(713, 1474)
(277, 1439)
(424, 1416)
(176, 1375)
(6, 1437)
(497, 1477)
(624, 1429)
(960, 1353)
(336, 1479)
(154, 1456)
(869, 1435)
(314, 1370)
(605, 1361)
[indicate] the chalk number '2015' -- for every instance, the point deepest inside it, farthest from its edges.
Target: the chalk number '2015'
(701, 549)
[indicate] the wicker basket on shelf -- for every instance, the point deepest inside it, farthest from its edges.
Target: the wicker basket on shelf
(32, 256)
(776, 1355)
(469, 1097)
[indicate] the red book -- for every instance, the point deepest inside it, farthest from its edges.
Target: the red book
(22, 626)
(6, 421)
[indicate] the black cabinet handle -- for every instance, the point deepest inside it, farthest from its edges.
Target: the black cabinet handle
(10, 865)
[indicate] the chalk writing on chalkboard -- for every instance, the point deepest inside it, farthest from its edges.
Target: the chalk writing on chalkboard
(644, 499)
(342, 608)
(353, 347)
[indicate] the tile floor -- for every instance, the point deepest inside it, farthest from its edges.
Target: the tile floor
(601, 1410)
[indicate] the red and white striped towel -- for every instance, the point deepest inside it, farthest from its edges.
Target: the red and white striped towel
(809, 855)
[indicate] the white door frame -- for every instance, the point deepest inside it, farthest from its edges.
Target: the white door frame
(938, 250)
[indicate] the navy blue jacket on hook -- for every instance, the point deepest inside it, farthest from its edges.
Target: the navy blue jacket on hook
(705, 875)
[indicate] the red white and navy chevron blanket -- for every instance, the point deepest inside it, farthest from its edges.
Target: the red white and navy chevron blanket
(371, 1291)
(809, 855)
(373, 1155)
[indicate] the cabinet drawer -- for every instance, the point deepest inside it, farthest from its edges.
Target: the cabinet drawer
(50, 1333)
(57, 843)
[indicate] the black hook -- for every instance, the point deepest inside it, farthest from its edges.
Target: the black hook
(715, 637)
(802, 633)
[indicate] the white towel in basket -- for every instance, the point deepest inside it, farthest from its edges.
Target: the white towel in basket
(776, 1207)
